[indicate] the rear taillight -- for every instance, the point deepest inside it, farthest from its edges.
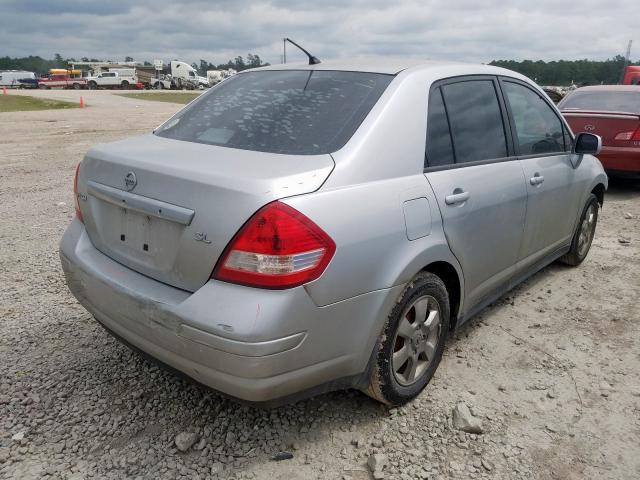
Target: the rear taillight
(631, 136)
(277, 248)
(75, 195)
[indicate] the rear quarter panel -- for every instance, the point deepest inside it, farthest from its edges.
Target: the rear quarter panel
(367, 223)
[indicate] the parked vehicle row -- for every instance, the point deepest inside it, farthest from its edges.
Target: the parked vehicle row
(298, 229)
(175, 75)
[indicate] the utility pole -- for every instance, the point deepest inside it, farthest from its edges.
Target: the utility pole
(626, 61)
(284, 50)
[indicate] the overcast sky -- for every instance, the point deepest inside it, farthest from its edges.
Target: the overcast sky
(219, 30)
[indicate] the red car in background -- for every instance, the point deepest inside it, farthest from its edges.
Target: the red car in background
(631, 75)
(613, 112)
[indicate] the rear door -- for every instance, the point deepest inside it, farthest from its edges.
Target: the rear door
(478, 183)
(544, 145)
(106, 78)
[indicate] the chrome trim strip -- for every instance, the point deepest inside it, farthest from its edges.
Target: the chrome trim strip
(138, 203)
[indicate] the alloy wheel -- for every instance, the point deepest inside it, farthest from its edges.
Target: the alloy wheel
(416, 340)
(587, 230)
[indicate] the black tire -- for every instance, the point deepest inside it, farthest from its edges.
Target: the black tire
(124, 85)
(384, 381)
(76, 86)
(576, 255)
(92, 85)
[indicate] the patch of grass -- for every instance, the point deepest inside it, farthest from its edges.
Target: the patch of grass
(19, 103)
(171, 97)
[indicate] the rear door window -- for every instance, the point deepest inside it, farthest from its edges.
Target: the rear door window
(439, 147)
(304, 112)
(538, 128)
(475, 118)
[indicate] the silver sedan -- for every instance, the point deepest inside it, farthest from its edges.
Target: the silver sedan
(302, 228)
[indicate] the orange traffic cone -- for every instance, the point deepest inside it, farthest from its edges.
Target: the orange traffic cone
(4, 91)
(81, 102)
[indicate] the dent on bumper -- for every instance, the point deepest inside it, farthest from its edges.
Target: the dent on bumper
(252, 344)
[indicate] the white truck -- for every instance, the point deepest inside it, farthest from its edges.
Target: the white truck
(185, 72)
(178, 75)
(113, 78)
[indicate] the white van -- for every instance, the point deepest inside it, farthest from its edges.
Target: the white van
(11, 78)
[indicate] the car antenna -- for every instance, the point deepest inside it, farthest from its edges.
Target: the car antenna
(312, 60)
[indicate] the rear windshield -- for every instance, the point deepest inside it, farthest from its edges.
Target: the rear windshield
(606, 101)
(304, 112)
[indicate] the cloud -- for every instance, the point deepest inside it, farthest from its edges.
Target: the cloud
(462, 30)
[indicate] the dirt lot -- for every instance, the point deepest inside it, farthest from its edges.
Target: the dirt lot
(553, 369)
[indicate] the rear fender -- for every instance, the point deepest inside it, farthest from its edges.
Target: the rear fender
(370, 224)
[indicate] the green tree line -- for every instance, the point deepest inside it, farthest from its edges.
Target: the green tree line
(238, 63)
(566, 72)
(41, 66)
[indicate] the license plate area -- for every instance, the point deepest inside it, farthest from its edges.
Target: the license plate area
(137, 232)
(136, 239)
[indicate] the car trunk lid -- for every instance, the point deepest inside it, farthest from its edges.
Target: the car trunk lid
(617, 129)
(167, 208)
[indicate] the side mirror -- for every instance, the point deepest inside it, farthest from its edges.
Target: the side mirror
(587, 144)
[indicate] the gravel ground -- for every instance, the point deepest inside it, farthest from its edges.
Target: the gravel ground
(550, 373)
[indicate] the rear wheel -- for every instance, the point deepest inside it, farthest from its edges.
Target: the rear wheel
(411, 345)
(584, 234)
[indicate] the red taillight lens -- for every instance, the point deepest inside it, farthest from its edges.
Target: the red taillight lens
(277, 248)
(636, 136)
(75, 195)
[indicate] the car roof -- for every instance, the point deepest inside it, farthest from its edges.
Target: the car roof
(372, 65)
(609, 88)
(393, 66)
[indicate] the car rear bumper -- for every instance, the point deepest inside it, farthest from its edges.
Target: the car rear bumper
(256, 345)
(620, 159)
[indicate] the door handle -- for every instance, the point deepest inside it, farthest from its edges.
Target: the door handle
(537, 179)
(458, 197)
